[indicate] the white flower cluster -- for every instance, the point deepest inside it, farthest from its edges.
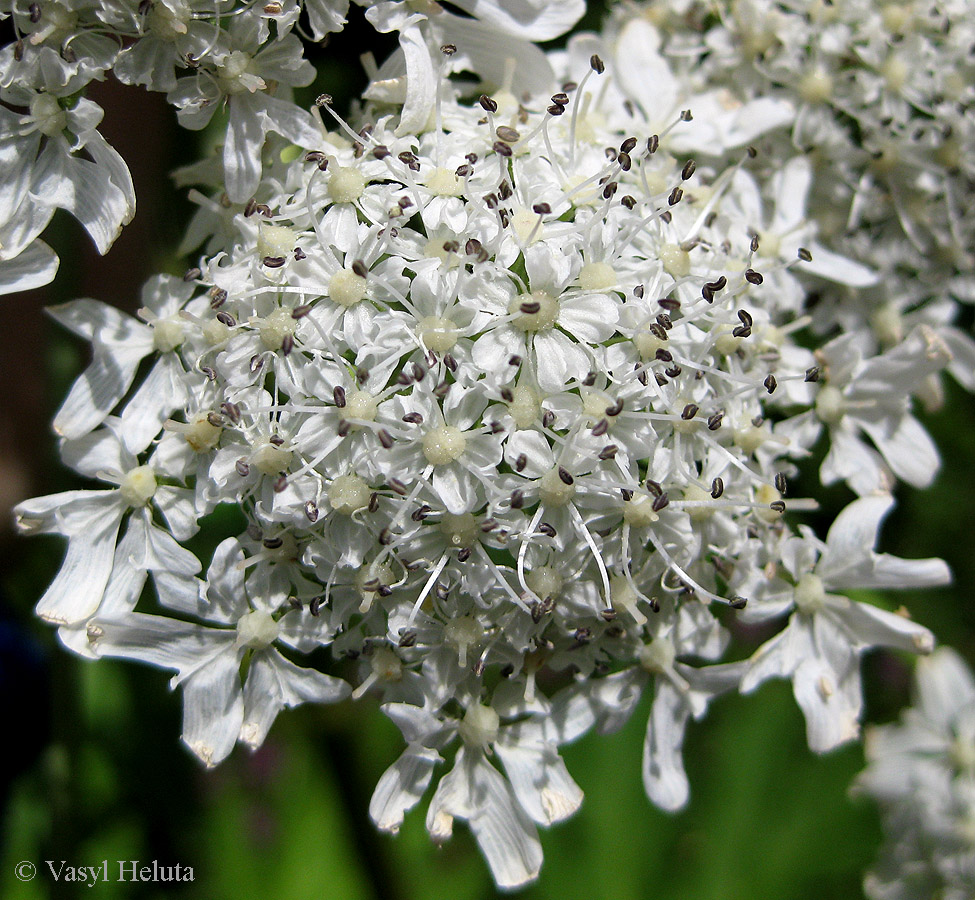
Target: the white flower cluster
(509, 404)
(922, 772)
(206, 56)
(883, 94)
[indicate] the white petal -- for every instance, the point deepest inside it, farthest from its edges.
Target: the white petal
(664, 777)
(213, 708)
(401, 787)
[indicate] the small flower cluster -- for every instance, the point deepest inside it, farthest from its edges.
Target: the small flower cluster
(509, 404)
(883, 95)
(922, 772)
(206, 56)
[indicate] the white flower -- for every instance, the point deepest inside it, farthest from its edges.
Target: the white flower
(821, 646)
(922, 773)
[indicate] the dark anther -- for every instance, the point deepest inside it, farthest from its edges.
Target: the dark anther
(385, 538)
(653, 142)
(717, 488)
(660, 379)
(256, 362)
(488, 525)
(658, 331)
(707, 292)
(404, 378)
(315, 156)
(413, 418)
(218, 296)
(520, 462)
(448, 49)
(742, 331)
(192, 274)
(279, 484)
(589, 380)
(745, 317)
(714, 421)
(616, 408)
(464, 554)
(555, 110)
(565, 476)
(418, 371)
(660, 502)
(273, 543)
(323, 100)
(250, 207)
(548, 418)
(442, 389)
(517, 499)
(299, 254)
(600, 428)
(654, 487)
(299, 312)
(598, 66)
(231, 411)
(628, 145)
(608, 615)
(418, 515)
(506, 134)
(505, 190)
(287, 344)
(315, 605)
(385, 438)
(311, 511)
(753, 246)
(805, 255)
(664, 355)
(770, 383)
(610, 189)
(625, 162)
(689, 412)
(547, 529)
(216, 420)
(753, 277)
(752, 152)
(777, 506)
(688, 169)
(274, 262)
(812, 374)
(608, 452)
(507, 395)
(685, 115)
(227, 319)
(398, 487)
(373, 502)
(408, 637)
(501, 148)
(360, 268)
(781, 482)
(343, 428)
(487, 103)
(530, 307)
(739, 602)
(542, 209)
(450, 362)
(561, 98)
(628, 201)
(669, 303)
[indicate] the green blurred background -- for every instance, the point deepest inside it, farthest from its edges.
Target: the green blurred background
(96, 770)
